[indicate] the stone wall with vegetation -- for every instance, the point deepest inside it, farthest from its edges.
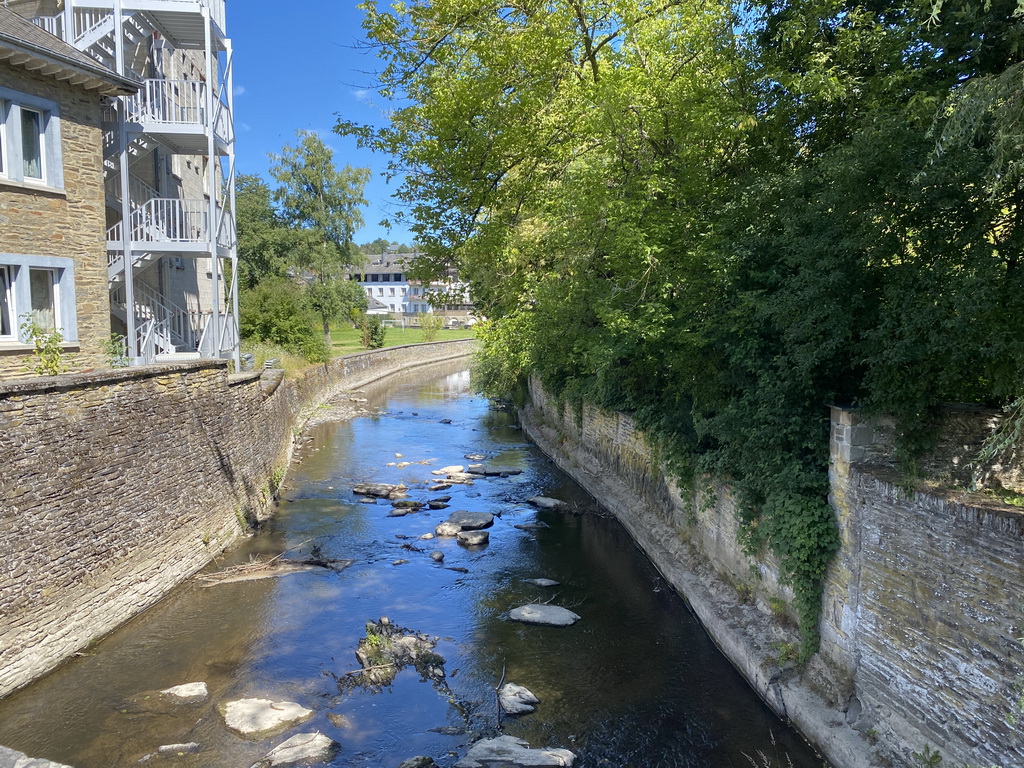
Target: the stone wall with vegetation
(921, 614)
(118, 485)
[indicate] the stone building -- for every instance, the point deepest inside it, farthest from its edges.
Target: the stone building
(53, 265)
(168, 169)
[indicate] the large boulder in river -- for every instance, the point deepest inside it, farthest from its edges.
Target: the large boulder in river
(471, 521)
(517, 699)
(259, 718)
(548, 615)
(379, 490)
(304, 748)
(474, 538)
(507, 751)
(448, 530)
(11, 759)
(546, 502)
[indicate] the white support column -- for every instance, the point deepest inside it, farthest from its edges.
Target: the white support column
(211, 177)
(128, 259)
(230, 86)
(69, 22)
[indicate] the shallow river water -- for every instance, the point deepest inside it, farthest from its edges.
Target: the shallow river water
(636, 682)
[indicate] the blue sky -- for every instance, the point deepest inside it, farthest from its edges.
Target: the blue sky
(297, 66)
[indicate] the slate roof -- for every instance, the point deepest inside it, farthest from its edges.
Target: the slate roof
(25, 45)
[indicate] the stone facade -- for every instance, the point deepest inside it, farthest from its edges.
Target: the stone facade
(66, 223)
(921, 615)
(119, 485)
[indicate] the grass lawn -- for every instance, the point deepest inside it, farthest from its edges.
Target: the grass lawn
(345, 339)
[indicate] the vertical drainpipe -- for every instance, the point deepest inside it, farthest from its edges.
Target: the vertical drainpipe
(230, 85)
(126, 203)
(211, 154)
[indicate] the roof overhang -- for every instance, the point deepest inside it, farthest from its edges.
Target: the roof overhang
(23, 54)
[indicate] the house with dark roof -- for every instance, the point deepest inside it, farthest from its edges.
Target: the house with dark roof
(53, 259)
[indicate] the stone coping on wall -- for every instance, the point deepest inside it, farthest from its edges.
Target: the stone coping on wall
(65, 381)
(986, 510)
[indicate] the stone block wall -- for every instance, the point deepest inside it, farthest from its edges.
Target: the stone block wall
(923, 607)
(921, 616)
(119, 485)
(68, 224)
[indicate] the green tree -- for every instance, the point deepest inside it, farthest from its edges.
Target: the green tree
(323, 206)
(264, 238)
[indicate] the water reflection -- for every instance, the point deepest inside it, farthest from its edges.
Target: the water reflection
(636, 682)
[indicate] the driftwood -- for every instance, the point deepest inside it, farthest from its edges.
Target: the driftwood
(275, 566)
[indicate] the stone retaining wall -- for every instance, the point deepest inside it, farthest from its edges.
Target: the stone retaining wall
(922, 606)
(119, 485)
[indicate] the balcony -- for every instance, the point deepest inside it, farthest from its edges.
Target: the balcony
(175, 110)
(173, 225)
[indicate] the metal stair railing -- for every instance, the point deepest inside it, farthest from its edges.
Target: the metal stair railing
(169, 101)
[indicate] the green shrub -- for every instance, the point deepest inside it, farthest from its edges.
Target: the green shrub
(277, 311)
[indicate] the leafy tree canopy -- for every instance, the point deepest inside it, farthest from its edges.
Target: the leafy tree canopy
(722, 216)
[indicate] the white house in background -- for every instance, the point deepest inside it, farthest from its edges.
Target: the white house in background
(386, 282)
(168, 167)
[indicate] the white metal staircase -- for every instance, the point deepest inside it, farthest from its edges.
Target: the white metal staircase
(184, 108)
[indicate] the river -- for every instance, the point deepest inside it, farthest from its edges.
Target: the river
(636, 682)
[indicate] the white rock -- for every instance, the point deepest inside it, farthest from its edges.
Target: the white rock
(510, 751)
(549, 615)
(517, 699)
(177, 749)
(543, 582)
(8, 757)
(448, 529)
(190, 691)
(259, 716)
(546, 502)
(300, 748)
(448, 470)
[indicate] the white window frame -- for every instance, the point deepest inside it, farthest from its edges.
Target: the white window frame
(19, 267)
(11, 143)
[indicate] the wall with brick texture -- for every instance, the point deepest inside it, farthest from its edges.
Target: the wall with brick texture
(921, 613)
(119, 485)
(70, 224)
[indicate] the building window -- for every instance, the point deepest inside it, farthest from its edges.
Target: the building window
(7, 317)
(32, 144)
(30, 148)
(41, 288)
(385, 278)
(392, 291)
(374, 278)
(380, 291)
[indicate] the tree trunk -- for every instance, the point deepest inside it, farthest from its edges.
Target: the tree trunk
(327, 332)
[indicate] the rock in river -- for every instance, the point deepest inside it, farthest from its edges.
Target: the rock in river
(546, 502)
(510, 751)
(543, 582)
(548, 615)
(380, 490)
(259, 718)
(189, 693)
(448, 529)
(302, 748)
(471, 521)
(474, 538)
(517, 699)
(8, 757)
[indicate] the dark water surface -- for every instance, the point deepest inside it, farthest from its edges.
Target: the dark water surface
(635, 683)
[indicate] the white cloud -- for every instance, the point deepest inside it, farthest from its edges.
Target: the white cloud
(239, 91)
(361, 95)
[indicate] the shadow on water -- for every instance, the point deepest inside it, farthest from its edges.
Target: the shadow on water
(635, 683)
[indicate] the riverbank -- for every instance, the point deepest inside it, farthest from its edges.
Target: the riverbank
(919, 654)
(123, 483)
